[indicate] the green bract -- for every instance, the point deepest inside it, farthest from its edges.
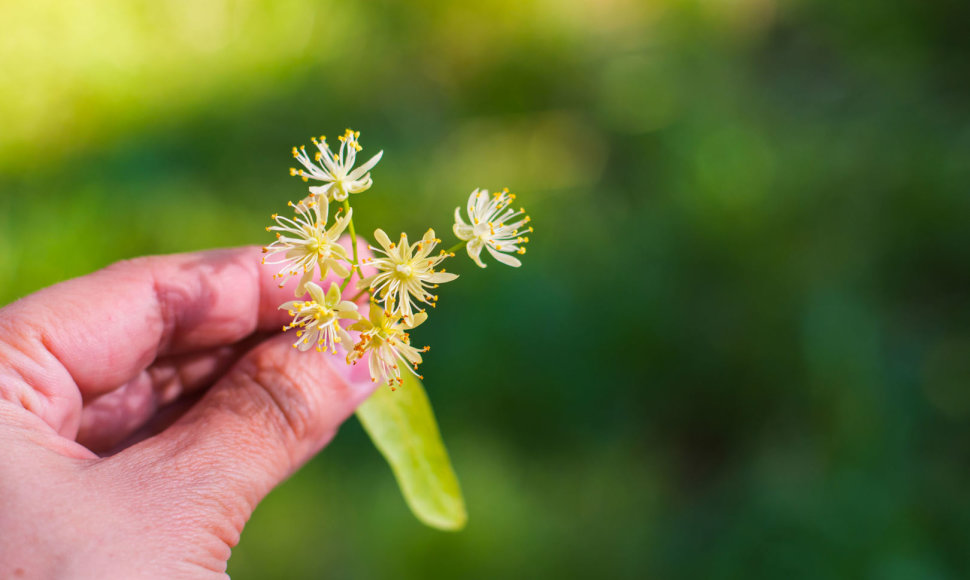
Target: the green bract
(399, 421)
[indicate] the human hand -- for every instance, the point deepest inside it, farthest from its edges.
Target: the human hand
(175, 365)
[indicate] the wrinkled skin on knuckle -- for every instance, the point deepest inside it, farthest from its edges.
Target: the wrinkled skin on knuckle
(286, 404)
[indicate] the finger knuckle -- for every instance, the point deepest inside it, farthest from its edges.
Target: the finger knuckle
(284, 403)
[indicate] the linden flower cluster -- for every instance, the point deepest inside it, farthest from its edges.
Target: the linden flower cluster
(402, 275)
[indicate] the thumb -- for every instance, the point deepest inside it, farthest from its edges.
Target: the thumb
(270, 414)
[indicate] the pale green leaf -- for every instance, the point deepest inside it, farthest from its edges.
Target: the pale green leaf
(403, 428)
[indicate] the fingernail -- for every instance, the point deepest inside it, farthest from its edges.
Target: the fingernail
(357, 376)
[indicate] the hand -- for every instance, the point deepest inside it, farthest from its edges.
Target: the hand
(175, 366)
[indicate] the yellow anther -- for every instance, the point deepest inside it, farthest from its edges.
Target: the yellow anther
(295, 152)
(292, 171)
(317, 156)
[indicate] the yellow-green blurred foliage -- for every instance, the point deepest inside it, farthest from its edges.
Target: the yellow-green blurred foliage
(739, 344)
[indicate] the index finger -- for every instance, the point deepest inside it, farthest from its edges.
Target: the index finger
(89, 335)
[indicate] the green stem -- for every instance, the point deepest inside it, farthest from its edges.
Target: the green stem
(353, 243)
(359, 294)
(456, 247)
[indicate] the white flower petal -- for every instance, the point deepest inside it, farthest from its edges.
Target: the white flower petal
(337, 268)
(301, 288)
(441, 277)
(360, 185)
(382, 239)
(345, 339)
(504, 258)
(418, 319)
(464, 232)
(376, 373)
(333, 294)
(357, 173)
(474, 248)
(316, 292)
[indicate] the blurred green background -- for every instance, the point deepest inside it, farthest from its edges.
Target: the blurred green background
(740, 343)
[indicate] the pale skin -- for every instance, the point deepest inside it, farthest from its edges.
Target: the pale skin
(147, 408)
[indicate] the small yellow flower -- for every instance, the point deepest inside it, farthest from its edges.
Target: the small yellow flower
(336, 171)
(405, 272)
(304, 243)
(385, 337)
(318, 319)
(494, 225)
